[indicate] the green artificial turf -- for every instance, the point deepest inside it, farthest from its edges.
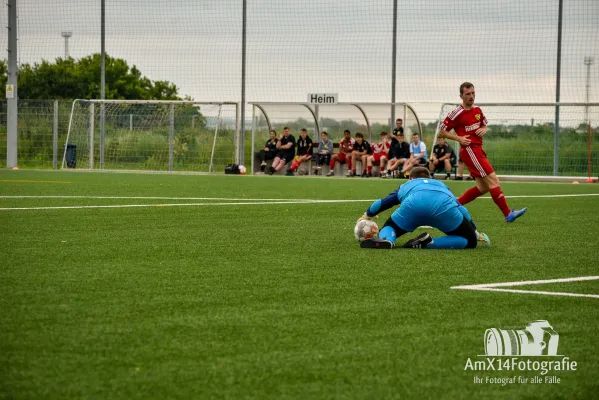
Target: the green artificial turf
(275, 300)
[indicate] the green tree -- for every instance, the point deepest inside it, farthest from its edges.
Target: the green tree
(70, 79)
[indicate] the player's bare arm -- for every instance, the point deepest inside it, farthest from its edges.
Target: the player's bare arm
(481, 131)
(463, 140)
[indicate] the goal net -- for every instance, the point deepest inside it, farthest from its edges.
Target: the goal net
(522, 138)
(151, 135)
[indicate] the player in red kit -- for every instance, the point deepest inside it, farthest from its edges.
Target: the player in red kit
(470, 125)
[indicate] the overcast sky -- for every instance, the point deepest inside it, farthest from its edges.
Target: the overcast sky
(507, 48)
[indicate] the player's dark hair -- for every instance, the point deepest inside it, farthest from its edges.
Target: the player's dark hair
(465, 85)
(419, 172)
(303, 130)
(347, 131)
(285, 127)
(383, 133)
(273, 131)
(324, 133)
(415, 134)
(399, 120)
(359, 135)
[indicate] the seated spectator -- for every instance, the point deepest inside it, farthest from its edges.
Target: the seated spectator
(325, 150)
(398, 155)
(360, 152)
(441, 158)
(269, 151)
(285, 151)
(304, 151)
(380, 154)
(417, 154)
(460, 171)
(346, 146)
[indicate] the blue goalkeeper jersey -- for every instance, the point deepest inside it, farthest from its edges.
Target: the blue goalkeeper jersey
(431, 194)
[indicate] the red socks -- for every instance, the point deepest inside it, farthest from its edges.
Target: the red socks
(370, 170)
(496, 194)
(499, 199)
(469, 195)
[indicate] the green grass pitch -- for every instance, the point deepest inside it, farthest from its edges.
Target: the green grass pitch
(275, 300)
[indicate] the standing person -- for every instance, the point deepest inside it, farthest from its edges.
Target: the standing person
(325, 150)
(398, 130)
(285, 151)
(304, 151)
(360, 153)
(470, 125)
(346, 146)
(423, 201)
(441, 158)
(417, 154)
(380, 154)
(269, 151)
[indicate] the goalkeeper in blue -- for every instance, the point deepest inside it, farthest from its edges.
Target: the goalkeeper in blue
(424, 201)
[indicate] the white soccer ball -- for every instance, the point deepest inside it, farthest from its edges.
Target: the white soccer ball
(366, 229)
(242, 170)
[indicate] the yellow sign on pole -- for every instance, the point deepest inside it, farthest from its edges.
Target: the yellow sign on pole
(10, 91)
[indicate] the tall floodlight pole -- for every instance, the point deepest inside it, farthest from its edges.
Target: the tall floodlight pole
(393, 65)
(11, 88)
(588, 61)
(558, 74)
(102, 77)
(66, 35)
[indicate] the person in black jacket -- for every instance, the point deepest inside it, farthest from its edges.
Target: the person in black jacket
(304, 151)
(398, 155)
(269, 151)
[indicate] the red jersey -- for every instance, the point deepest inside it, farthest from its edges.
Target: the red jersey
(347, 146)
(382, 147)
(465, 123)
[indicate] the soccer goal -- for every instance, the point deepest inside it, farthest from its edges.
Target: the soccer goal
(152, 135)
(522, 139)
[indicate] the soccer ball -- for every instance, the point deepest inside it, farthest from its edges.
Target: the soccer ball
(242, 170)
(366, 229)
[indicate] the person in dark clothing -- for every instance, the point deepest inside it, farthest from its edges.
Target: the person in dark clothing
(269, 151)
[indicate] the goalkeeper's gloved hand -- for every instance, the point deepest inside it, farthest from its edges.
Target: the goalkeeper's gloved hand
(366, 217)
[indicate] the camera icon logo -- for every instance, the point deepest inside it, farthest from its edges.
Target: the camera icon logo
(536, 339)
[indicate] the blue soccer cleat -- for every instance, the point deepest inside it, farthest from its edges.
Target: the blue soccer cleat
(511, 217)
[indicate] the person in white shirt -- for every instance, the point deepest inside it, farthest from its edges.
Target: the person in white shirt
(417, 154)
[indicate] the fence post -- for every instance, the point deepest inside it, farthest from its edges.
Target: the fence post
(130, 122)
(171, 138)
(91, 136)
(55, 137)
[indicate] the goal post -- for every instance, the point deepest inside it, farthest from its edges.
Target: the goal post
(523, 139)
(151, 135)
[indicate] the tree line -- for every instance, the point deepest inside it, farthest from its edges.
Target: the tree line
(67, 78)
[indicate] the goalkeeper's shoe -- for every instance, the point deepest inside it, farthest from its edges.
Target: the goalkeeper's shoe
(419, 242)
(376, 244)
(514, 214)
(483, 238)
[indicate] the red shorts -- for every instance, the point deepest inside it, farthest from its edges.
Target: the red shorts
(342, 158)
(476, 160)
(378, 156)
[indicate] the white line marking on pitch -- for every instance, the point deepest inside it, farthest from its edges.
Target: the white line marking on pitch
(250, 199)
(177, 205)
(173, 198)
(494, 287)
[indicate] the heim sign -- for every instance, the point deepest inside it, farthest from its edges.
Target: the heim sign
(323, 98)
